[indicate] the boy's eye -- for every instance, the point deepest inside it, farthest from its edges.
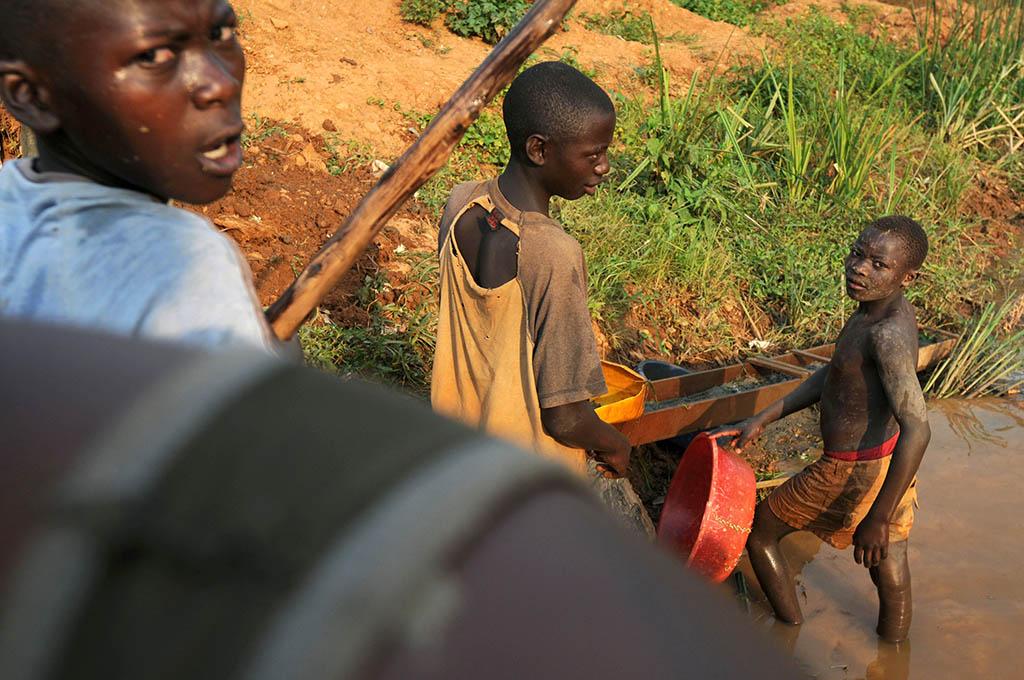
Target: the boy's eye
(222, 33)
(156, 56)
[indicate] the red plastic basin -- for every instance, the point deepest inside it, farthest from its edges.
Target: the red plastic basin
(709, 508)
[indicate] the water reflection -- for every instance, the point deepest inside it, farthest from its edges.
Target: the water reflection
(892, 662)
(970, 420)
(964, 551)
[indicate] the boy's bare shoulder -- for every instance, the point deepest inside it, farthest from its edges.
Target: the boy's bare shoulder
(457, 200)
(895, 334)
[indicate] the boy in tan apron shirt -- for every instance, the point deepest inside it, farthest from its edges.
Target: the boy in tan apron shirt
(516, 353)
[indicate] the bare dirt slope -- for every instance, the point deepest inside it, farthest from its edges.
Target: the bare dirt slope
(337, 72)
(316, 60)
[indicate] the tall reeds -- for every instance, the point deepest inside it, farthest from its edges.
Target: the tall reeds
(972, 72)
(985, 357)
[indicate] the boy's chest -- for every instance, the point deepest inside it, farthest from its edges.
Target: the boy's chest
(851, 356)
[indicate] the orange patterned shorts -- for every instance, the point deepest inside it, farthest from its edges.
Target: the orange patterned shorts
(830, 497)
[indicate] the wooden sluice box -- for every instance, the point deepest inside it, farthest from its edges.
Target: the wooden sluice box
(718, 396)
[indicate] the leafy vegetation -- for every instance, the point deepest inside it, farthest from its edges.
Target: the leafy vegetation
(396, 344)
(972, 76)
(986, 357)
(629, 23)
(738, 12)
(423, 12)
(734, 198)
(489, 20)
(260, 129)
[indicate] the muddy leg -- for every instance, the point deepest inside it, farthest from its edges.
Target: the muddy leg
(770, 565)
(892, 579)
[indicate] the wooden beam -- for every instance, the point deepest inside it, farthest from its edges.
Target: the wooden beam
(415, 167)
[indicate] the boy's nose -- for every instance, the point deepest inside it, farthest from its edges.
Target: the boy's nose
(603, 166)
(212, 80)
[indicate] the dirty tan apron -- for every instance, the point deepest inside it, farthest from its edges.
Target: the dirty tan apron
(483, 364)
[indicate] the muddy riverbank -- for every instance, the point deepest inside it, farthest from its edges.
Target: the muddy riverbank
(965, 552)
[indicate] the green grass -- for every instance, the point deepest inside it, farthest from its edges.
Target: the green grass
(734, 198)
(260, 129)
(972, 75)
(396, 345)
(987, 354)
(342, 154)
(489, 20)
(629, 23)
(737, 12)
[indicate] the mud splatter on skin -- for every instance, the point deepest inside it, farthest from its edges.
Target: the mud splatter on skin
(964, 556)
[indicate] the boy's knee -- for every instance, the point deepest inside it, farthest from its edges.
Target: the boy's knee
(767, 527)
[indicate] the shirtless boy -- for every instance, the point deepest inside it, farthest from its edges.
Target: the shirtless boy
(516, 353)
(134, 102)
(875, 430)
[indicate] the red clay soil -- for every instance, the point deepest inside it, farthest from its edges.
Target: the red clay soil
(345, 72)
(9, 136)
(358, 63)
(284, 205)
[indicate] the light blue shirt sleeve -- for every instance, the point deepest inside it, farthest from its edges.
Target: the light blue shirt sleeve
(78, 253)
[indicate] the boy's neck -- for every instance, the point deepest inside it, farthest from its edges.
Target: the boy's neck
(56, 155)
(520, 187)
(876, 309)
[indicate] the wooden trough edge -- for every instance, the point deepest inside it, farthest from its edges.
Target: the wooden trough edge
(668, 422)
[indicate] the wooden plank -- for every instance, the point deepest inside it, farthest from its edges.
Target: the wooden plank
(803, 357)
(811, 356)
(778, 366)
(692, 383)
(930, 355)
(938, 331)
(664, 423)
(668, 422)
(773, 482)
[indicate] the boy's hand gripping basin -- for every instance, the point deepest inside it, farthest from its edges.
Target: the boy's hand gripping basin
(709, 508)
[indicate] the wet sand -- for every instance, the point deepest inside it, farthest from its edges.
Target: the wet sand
(966, 549)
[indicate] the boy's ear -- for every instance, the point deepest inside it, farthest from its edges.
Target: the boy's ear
(536, 149)
(909, 277)
(27, 97)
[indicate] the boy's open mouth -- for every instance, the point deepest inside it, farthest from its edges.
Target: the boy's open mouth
(223, 157)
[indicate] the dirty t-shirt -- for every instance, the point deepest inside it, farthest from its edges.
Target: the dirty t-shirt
(553, 276)
(78, 253)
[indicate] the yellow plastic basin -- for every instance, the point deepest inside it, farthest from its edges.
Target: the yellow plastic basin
(627, 392)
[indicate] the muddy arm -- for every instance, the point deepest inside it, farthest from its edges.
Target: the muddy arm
(808, 393)
(895, 355)
(576, 425)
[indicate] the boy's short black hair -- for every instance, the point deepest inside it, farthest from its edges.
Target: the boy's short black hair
(551, 99)
(20, 26)
(910, 233)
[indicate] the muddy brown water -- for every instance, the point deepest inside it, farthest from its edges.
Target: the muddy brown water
(966, 551)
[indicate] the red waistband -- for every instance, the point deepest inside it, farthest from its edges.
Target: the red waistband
(874, 453)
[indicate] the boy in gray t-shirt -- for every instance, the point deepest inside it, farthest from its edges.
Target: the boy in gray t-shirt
(134, 102)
